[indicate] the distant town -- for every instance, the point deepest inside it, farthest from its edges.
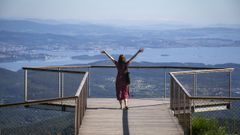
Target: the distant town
(34, 40)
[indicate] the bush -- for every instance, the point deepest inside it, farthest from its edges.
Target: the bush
(205, 126)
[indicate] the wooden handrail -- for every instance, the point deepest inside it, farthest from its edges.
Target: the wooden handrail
(37, 101)
(82, 84)
(177, 81)
(52, 70)
(172, 67)
(202, 71)
(213, 98)
(113, 66)
(54, 67)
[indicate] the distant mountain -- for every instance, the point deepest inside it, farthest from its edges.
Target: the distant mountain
(33, 26)
(25, 32)
(11, 86)
(65, 29)
(211, 32)
(33, 39)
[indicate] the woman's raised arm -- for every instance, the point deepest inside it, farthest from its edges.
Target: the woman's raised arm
(139, 51)
(109, 56)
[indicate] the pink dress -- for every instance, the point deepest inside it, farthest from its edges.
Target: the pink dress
(122, 88)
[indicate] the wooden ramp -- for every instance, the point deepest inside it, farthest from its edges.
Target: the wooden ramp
(144, 117)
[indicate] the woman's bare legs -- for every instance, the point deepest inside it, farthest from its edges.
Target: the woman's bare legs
(120, 102)
(126, 103)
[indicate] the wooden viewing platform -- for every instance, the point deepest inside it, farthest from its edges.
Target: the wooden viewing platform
(144, 117)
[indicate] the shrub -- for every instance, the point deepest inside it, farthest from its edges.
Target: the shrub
(205, 126)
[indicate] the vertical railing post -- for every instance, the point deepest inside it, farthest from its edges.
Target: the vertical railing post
(62, 84)
(25, 85)
(61, 87)
(165, 84)
(59, 83)
(76, 127)
(190, 116)
(184, 112)
(179, 100)
(230, 84)
(194, 87)
(87, 90)
(171, 93)
(88, 80)
(194, 84)
(80, 108)
(174, 96)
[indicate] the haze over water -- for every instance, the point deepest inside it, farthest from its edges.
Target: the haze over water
(205, 55)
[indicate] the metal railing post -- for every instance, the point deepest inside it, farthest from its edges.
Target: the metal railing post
(25, 85)
(59, 83)
(194, 87)
(165, 83)
(194, 84)
(171, 93)
(62, 84)
(87, 89)
(88, 81)
(230, 84)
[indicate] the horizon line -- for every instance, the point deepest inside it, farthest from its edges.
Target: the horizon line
(117, 22)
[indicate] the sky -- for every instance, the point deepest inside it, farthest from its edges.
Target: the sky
(198, 12)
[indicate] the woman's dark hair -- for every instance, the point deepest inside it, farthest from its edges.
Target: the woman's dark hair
(121, 59)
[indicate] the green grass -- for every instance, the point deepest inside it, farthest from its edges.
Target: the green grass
(205, 126)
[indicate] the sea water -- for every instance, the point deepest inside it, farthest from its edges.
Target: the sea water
(205, 55)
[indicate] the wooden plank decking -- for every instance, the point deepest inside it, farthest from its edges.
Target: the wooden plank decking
(144, 117)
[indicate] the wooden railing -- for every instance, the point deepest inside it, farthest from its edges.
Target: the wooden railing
(89, 67)
(80, 97)
(183, 104)
(180, 99)
(180, 103)
(81, 102)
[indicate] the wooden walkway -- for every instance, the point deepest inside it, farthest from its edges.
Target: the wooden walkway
(144, 117)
